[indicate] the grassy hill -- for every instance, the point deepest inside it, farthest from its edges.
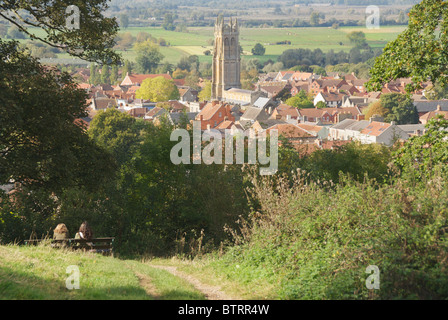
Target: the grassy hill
(40, 273)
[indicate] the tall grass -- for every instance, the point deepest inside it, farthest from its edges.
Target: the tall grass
(315, 241)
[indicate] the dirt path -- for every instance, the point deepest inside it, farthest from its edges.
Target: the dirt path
(146, 284)
(210, 292)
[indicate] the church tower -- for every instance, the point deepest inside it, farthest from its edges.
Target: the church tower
(226, 58)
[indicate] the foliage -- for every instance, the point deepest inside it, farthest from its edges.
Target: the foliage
(93, 40)
(158, 89)
(418, 52)
(300, 100)
(312, 242)
(42, 142)
(258, 50)
(116, 132)
(376, 108)
(423, 156)
(354, 159)
(148, 56)
(358, 38)
(401, 108)
(206, 92)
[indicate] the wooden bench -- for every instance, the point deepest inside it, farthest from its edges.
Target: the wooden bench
(99, 245)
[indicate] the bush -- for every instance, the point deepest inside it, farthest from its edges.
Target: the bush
(317, 241)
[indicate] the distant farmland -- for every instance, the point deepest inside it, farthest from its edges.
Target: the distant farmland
(198, 39)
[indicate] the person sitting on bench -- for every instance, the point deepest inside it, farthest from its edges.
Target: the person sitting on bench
(60, 232)
(85, 232)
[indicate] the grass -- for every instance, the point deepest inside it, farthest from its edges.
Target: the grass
(230, 277)
(39, 273)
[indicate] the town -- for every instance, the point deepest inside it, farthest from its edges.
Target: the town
(337, 111)
(231, 150)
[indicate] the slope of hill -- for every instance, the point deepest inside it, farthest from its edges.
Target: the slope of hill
(42, 273)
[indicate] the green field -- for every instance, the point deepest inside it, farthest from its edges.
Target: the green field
(198, 39)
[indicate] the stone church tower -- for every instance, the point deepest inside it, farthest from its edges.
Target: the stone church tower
(226, 58)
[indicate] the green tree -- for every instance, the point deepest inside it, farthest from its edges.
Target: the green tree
(127, 68)
(376, 108)
(358, 38)
(258, 50)
(300, 101)
(314, 19)
(400, 108)
(321, 105)
(419, 52)
(116, 132)
(206, 92)
(422, 155)
(148, 56)
(46, 21)
(105, 74)
(124, 21)
(168, 22)
(158, 89)
(114, 74)
(42, 141)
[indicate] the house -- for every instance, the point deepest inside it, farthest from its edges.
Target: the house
(284, 76)
(320, 132)
(296, 87)
(187, 94)
(253, 114)
(381, 132)
(413, 129)
(241, 96)
(428, 105)
(154, 113)
(264, 103)
(328, 115)
(348, 129)
(293, 133)
(353, 101)
(326, 85)
(348, 89)
(272, 89)
(196, 106)
(332, 100)
(138, 112)
(433, 114)
(286, 113)
(359, 84)
(301, 76)
(175, 118)
(214, 113)
(176, 106)
(261, 125)
(103, 103)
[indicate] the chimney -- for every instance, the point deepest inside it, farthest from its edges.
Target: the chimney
(393, 123)
(438, 108)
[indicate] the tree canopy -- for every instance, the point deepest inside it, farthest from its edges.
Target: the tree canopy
(419, 52)
(42, 141)
(93, 40)
(158, 89)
